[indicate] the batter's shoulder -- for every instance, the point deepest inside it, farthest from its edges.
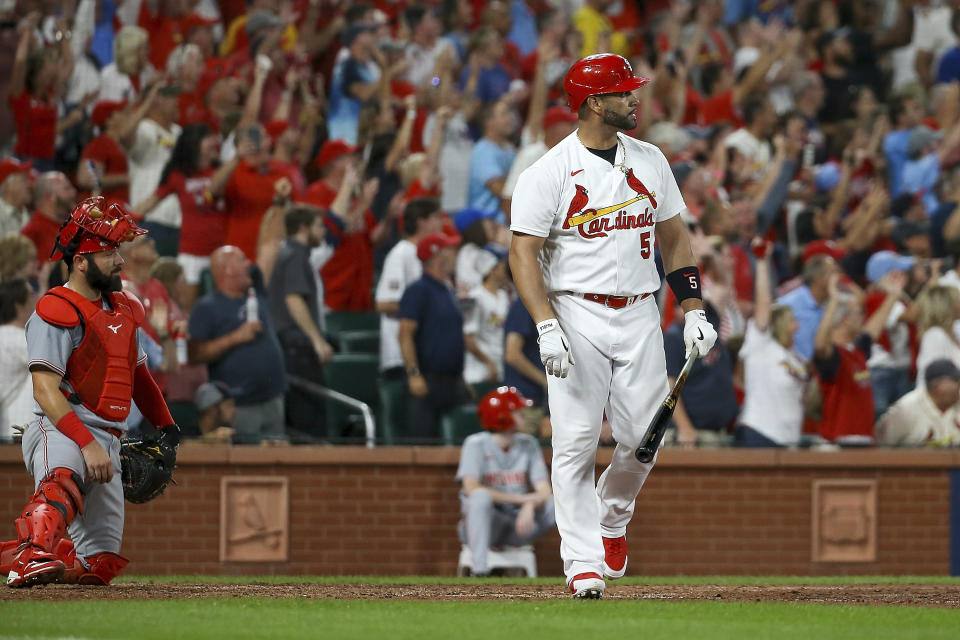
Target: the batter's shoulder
(476, 439)
(641, 146)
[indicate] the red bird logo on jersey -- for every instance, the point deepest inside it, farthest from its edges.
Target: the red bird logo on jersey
(589, 222)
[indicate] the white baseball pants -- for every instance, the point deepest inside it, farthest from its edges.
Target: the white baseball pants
(619, 368)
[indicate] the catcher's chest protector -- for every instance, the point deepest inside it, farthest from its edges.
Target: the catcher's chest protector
(100, 370)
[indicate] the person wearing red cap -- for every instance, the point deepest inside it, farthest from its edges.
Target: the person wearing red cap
(505, 494)
(87, 368)
(348, 275)
(14, 195)
(103, 168)
(53, 197)
(431, 339)
(585, 219)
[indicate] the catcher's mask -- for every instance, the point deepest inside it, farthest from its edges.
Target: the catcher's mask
(94, 227)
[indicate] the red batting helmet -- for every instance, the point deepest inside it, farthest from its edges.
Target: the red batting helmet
(94, 227)
(598, 74)
(496, 407)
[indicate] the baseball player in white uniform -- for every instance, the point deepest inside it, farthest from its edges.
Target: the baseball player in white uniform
(585, 219)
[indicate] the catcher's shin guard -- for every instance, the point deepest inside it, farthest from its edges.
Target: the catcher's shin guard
(41, 527)
(99, 569)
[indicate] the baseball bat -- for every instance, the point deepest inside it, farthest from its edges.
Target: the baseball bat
(654, 433)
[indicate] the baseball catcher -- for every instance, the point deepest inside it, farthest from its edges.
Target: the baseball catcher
(87, 367)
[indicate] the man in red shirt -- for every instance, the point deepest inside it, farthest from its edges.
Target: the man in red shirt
(250, 191)
(53, 199)
(348, 275)
(840, 351)
(110, 173)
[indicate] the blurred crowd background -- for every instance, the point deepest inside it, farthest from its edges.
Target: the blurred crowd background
(327, 188)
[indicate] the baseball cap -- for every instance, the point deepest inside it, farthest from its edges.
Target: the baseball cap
(823, 247)
(196, 21)
(883, 262)
(466, 217)
(211, 393)
(12, 165)
(261, 20)
(104, 109)
(827, 177)
(432, 243)
(485, 262)
(333, 149)
(217, 69)
(941, 368)
(920, 137)
(558, 115)
(907, 229)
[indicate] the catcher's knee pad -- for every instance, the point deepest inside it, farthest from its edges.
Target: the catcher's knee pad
(99, 569)
(8, 554)
(58, 500)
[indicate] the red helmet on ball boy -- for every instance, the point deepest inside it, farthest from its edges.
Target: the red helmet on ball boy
(495, 409)
(93, 227)
(599, 74)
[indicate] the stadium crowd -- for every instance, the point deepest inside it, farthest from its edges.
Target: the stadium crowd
(305, 164)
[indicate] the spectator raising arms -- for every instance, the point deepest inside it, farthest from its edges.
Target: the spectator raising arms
(774, 375)
(841, 348)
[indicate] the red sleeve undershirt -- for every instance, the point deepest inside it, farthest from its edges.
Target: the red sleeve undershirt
(149, 399)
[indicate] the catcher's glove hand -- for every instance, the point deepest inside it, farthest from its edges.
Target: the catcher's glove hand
(146, 465)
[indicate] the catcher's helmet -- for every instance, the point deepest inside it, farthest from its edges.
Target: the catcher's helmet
(94, 227)
(495, 408)
(599, 74)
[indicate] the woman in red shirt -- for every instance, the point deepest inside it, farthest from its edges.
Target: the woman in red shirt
(37, 82)
(193, 174)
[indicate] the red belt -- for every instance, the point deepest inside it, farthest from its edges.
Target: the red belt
(614, 302)
(116, 433)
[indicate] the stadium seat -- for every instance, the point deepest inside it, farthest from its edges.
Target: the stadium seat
(481, 389)
(355, 375)
(392, 421)
(339, 321)
(363, 341)
(459, 423)
(505, 558)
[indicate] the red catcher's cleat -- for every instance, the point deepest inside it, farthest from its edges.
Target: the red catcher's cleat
(614, 557)
(587, 586)
(34, 566)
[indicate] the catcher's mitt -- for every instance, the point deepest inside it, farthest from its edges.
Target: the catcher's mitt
(146, 468)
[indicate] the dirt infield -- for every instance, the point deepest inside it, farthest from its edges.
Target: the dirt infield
(861, 594)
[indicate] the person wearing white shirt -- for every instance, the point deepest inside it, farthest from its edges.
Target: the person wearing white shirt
(124, 78)
(16, 389)
(401, 267)
(751, 140)
(775, 376)
(937, 324)
(425, 44)
(148, 153)
(483, 324)
(927, 416)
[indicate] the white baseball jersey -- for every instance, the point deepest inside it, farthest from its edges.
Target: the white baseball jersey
(598, 219)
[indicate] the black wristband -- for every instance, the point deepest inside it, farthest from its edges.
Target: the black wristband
(685, 283)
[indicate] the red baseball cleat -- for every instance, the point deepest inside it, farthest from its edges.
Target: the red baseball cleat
(587, 586)
(34, 566)
(614, 557)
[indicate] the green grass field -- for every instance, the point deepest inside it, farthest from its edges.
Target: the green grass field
(256, 618)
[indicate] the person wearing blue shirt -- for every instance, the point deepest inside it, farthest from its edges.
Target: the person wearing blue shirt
(807, 301)
(905, 114)
(431, 339)
(484, 50)
(521, 355)
(949, 69)
(355, 79)
(240, 350)
(492, 158)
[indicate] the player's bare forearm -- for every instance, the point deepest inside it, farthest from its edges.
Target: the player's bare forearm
(46, 391)
(527, 277)
(676, 252)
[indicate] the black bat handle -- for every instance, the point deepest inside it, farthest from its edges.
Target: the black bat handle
(650, 442)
